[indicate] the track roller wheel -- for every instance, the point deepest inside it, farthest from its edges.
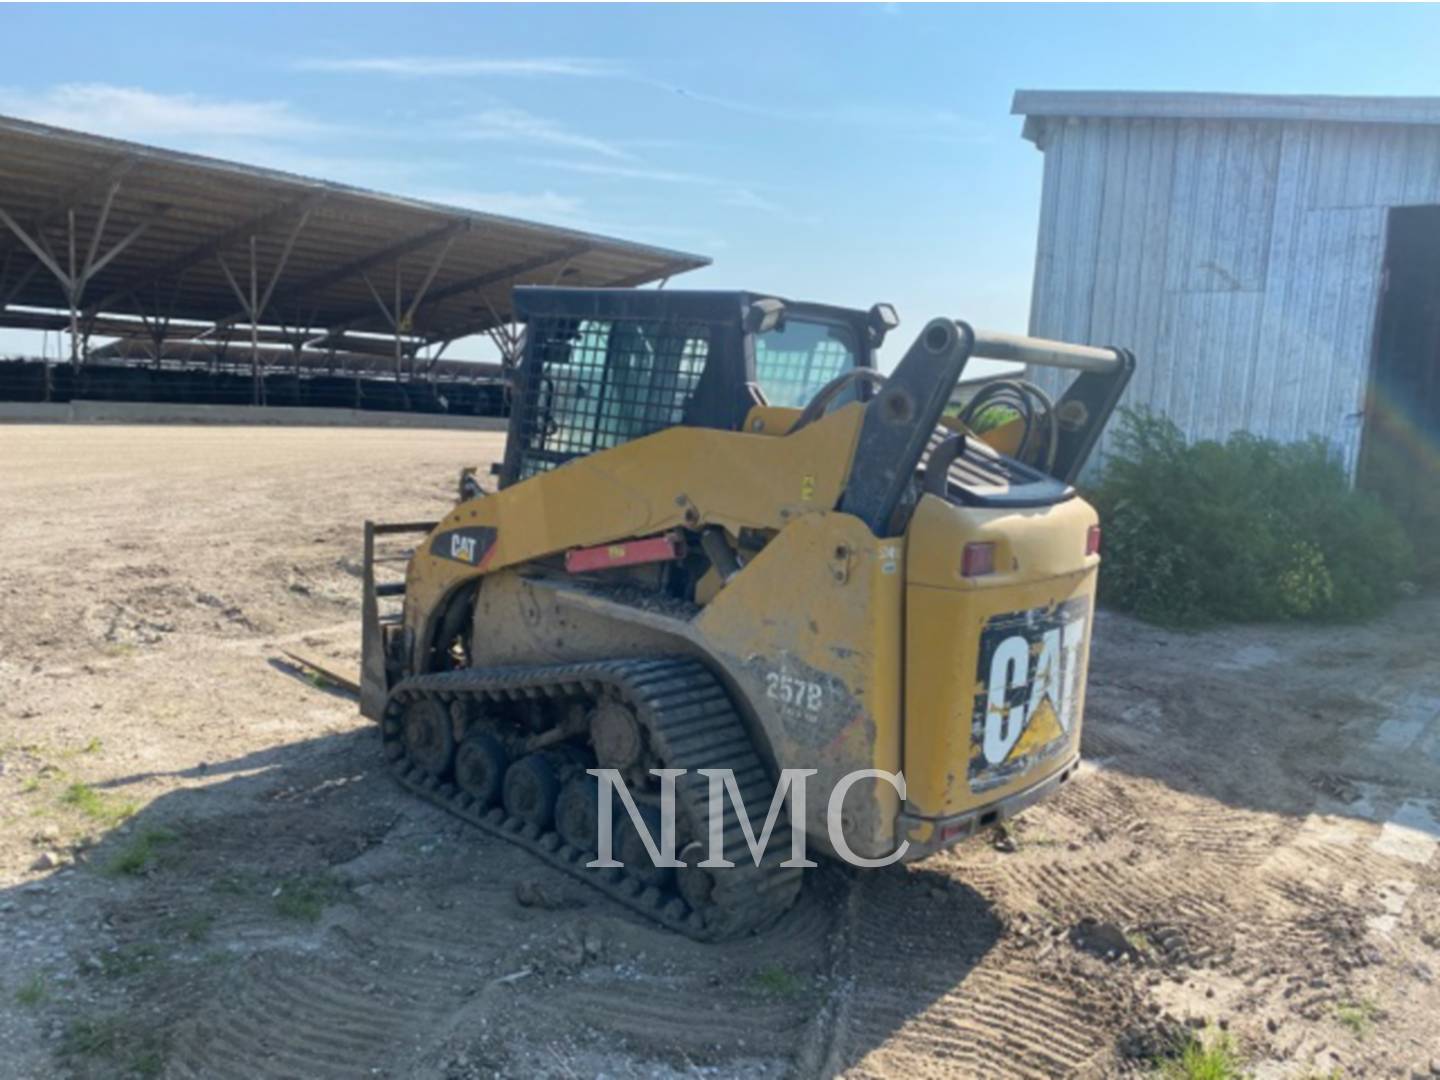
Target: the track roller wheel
(480, 765)
(446, 744)
(577, 812)
(429, 737)
(615, 733)
(692, 880)
(630, 849)
(532, 785)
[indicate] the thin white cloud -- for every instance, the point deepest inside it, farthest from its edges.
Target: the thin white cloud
(729, 192)
(508, 124)
(625, 172)
(745, 198)
(653, 143)
(939, 124)
(419, 67)
(127, 112)
(902, 119)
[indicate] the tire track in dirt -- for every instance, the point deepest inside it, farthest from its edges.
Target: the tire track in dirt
(682, 1001)
(1196, 884)
(283, 1018)
(955, 986)
(1270, 907)
(423, 928)
(262, 990)
(938, 992)
(1203, 830)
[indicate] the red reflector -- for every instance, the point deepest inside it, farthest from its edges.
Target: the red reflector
(977, 560)
(951, 831)
(1092, 540)
(630, 553)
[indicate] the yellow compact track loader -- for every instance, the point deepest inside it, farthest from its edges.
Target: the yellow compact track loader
(722, 540)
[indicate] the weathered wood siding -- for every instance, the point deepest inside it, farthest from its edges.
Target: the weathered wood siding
(1240, 260)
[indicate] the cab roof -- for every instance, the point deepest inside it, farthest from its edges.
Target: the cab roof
(711, 305)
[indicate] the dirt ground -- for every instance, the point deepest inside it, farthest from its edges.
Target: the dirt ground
(238, 890)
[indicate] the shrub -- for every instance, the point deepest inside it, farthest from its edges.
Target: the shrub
(1215, 1059)
(142, 853)
(306, 897)
(991, 417)
(95, 806)
(1404, 474)
(1245, 530)
(33, 992)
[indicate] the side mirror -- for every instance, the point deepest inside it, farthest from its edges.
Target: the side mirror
(470, 486)
(882, 318)
(763, 316)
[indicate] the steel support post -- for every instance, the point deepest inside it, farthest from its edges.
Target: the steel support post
(75, 276)
(70, 294)
(257, 395)
(395, 322)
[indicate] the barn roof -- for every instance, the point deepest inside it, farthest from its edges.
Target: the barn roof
(1127, 104)
(175, 235)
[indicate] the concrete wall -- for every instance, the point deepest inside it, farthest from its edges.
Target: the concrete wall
(1241, 260)
(129, 412)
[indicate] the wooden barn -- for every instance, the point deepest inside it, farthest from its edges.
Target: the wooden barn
(1273, 261)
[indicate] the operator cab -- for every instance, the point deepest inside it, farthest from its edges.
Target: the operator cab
(602, 367)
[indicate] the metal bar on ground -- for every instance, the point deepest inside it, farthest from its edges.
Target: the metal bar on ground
(344, 682)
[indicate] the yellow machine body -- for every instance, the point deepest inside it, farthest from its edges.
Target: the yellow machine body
(846, 651)
(723, 543)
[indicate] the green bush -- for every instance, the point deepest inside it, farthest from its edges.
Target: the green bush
(1245, 530)
(991, 417)
(1404, 474)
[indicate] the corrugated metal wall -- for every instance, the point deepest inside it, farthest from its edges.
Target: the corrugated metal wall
(1240, 260)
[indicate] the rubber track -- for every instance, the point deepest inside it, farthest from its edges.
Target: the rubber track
(692, 725)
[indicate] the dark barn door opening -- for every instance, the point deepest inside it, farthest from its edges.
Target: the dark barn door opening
(1401, 459)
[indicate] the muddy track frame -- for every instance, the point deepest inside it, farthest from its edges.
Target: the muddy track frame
(692, 724)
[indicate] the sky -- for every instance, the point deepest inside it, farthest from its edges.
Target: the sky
(846, 154)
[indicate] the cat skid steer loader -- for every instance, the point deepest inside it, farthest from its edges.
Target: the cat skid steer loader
(722, 540)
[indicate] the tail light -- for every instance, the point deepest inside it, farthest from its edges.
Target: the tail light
(977, 560)
(1092, 540)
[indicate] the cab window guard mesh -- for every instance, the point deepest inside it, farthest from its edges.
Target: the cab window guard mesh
(597, 383)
